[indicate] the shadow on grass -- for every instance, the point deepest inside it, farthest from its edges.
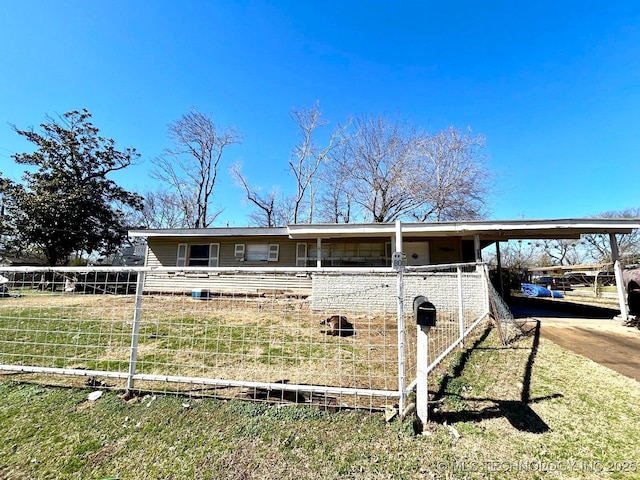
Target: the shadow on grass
(518, 412)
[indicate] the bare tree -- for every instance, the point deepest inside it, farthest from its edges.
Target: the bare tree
(450, 180)
(392, 171)
(270, 211)
(557, 252)
(335, 199)
(162, 209)
(598, 246)
(376, 169)
(307, 160)
(190, 167)
(306, 165)
(374, 161)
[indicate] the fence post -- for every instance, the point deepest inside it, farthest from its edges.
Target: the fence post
(460, 307)
(133, 355)
(399, 267)
(484, 269)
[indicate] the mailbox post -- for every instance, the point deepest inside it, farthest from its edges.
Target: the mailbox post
(424, 314)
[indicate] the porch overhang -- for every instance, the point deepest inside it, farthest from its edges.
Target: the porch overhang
(487, 230)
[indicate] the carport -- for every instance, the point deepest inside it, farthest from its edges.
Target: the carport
(488, 233)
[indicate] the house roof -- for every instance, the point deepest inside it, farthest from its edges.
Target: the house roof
(21, 261)
(487, 230)
(211, 232)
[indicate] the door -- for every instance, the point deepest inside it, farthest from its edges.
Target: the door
(417, 253)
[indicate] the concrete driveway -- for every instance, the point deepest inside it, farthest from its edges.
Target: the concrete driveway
(603, 340)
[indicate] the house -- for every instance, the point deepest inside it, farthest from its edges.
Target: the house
(8, 260)
(296, 249)
(129, 255)
(348, 245)
(354, 245)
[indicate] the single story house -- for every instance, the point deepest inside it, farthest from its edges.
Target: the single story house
(7, 260)
(315, 247)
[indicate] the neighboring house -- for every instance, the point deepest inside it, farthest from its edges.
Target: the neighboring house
(313, 247)
(7, 260)
(130, 255)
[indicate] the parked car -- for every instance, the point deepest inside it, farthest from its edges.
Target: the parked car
(553, 283)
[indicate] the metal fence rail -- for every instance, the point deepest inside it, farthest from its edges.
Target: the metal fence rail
(259, 340)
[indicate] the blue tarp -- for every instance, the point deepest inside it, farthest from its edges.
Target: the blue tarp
(532, 290)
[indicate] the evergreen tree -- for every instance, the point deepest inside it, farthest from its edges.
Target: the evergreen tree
(67, 204)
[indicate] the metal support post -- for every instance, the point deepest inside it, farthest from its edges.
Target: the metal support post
(422, 385)
(397, 265)
(460, 308)
(133, 355)
(617, 269)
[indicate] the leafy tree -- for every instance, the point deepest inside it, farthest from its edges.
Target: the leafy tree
(67, 204)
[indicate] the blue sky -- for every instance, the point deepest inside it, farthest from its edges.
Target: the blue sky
(554, 86)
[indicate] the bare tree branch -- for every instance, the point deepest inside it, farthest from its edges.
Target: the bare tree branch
(392, 171)
(190, 167)
(598, 247)
(307, 159)
(269, 210)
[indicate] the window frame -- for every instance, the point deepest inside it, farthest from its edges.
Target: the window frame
(184, 257)
(261, 252)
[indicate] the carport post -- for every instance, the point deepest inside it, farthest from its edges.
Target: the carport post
(617, 269)
(499, 268)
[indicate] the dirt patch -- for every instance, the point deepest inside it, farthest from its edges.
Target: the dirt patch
(606, 342)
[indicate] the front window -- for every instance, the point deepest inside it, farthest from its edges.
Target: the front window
(257, 252)
(198, 255)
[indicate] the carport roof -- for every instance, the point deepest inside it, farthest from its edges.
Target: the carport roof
(487, 230)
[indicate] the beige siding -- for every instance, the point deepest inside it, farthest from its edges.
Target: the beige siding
(228, 283)
(164, 251)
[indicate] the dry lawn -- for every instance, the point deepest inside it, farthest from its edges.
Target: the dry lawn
(249, 339)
